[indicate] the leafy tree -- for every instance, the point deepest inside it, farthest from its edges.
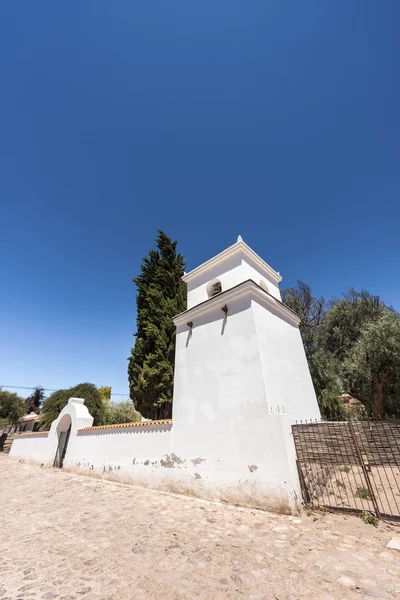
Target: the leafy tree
(54, 404)
(12, 407)
(122, 412)
(344, 322)
(349, 342)
(372, 365)
(34, 401)
(161, 294)
(327, 385)
(343, 335)
(117, 412)
(105, 394)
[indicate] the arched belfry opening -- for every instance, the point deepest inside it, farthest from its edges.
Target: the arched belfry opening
(214, 287)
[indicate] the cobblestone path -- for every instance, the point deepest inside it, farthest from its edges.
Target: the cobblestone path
(68, 537)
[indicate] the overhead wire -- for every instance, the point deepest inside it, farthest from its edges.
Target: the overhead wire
(33, 387)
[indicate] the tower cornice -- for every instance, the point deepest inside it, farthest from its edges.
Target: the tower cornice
(246, 288)
(240, 247)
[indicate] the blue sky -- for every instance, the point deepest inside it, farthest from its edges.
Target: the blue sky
(277, 120)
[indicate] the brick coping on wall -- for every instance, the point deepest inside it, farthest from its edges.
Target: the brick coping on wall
(139, 424)
(31, 433)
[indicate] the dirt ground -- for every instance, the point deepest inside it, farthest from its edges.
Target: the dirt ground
(66, 537)
(342, 486)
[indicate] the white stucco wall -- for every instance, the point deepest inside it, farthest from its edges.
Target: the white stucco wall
(34, 447)
(230, 272)
(231, 267)
(287, 377)
(42, 447)
(241, 381)
(226, 398)
(250, 272)
(135, 453)
(26, 426)
(289, 388)
(139, 453)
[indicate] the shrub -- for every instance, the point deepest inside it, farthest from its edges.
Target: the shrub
(363, 493)
(370, 519)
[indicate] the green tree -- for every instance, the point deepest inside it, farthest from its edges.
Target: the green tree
(372, 365)
(34, 401)
(346, 319)
(161, 294)
(327, 384)
(12, 407)
(343, 335)
(105, 393)
(122, 412)
(339, 342)
(54, 404)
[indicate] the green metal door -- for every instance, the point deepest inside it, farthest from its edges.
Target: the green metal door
(61, 448)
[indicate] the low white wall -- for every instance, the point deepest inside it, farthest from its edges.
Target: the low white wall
(41, 447)
(149, 455)
(237, 470)
(33, 447)
(135, 453)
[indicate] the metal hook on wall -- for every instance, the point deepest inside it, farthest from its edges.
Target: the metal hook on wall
(189, 335)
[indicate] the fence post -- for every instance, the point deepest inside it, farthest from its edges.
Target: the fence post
(303, 487)
(360, 458)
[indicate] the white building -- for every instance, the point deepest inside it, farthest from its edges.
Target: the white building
(27, 422)
(241, 381)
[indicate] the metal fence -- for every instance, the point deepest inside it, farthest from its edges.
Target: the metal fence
(351, 466)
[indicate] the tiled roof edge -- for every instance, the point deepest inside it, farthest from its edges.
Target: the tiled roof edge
(31, 433)
(120, 425)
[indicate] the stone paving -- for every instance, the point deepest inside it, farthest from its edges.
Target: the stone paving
(66, 537)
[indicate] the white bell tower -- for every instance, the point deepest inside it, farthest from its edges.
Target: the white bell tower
(241, 380)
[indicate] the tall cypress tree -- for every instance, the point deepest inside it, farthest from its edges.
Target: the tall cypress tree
(161, 294)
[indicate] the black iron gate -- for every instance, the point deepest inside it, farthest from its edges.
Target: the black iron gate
(351, 465)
